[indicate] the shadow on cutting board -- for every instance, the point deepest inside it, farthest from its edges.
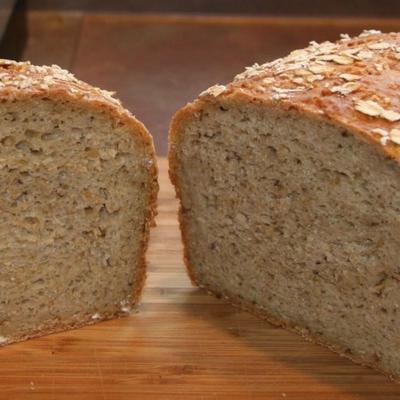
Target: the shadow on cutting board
(282, 357)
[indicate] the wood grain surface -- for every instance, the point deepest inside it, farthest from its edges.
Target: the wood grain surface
(182, 344)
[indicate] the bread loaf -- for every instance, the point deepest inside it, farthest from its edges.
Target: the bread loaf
(77, 195)
(289, 183)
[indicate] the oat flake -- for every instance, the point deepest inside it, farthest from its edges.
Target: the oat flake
(395, 136)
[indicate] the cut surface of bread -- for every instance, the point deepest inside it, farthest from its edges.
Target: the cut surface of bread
(290, 194)
(77, 193)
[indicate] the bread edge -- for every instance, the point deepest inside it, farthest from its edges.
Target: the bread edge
(176, 131)
(117, 113)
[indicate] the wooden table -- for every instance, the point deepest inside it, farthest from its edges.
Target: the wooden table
(182, 344)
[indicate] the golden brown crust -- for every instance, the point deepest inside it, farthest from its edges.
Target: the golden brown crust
(352, 83)
(24, 81)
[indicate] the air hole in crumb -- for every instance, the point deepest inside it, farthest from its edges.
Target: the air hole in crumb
(23, 145)
(104, 193)
(32, 220)
(39, 281)
(62, 175)
(8, 141)
(48, 136)
(31, 133)
(88, 210)
(103, 212)
(277, 183)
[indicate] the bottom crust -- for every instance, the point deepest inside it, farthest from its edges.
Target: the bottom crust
(57, 328)
(243, 305)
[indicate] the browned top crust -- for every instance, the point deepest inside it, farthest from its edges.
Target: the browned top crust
(22, 80)
(353, 82)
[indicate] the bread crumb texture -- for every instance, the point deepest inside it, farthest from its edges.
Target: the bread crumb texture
(354, 80)
(290, 193)
(77, 187)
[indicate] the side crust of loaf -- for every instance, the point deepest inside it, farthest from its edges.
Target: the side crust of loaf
(257, 87)
(24, 82)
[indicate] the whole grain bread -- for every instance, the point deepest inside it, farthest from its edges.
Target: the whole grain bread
(289, 183)
(78, 185)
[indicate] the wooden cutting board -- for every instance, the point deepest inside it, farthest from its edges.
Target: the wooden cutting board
(182, 344)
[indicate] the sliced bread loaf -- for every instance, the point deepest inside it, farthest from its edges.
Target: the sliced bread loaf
(77, 195)
(289, 182)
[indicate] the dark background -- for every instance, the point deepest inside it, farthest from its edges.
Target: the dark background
(158, 55)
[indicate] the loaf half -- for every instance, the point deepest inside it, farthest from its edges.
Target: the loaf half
(289, 183)
(77, 195)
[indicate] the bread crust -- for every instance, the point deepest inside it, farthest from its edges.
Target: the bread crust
(22, 81)
(319, 101)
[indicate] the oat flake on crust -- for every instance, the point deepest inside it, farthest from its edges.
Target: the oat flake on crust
(355, 80)
(33, 78)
